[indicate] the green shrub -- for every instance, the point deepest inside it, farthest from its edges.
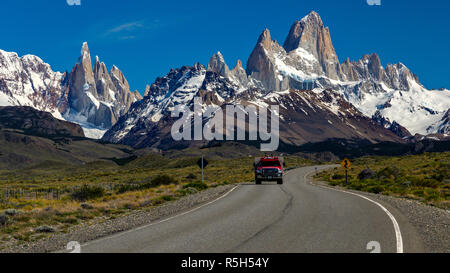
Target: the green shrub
(124, 188)
(181, 192)
(337, 176)
(70, 220)
(167, 198)
(418, 193)
(136, 187)
(439, 175)
(157, 181)
(356, 186)
(388, 172)
(163, 180)
(366, 174)
(334, 183)
(375, 189)
(87, 193)
(432, 195)
(196, 185)
(191, 176)
(428, 182)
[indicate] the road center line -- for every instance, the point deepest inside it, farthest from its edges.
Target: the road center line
(398, 234)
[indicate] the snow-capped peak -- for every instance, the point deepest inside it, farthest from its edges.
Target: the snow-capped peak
(96, 101)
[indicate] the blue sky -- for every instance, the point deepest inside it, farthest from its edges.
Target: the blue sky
(145, 39)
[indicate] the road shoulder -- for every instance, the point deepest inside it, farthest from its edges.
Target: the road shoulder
(424, 228)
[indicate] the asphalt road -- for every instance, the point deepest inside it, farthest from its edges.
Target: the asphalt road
(296, 217)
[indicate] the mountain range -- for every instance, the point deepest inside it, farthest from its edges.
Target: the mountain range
(319, 97)
(88, 95)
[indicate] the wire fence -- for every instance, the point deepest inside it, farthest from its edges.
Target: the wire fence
(8, 194)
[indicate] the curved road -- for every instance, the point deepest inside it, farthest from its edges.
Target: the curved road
(296, 217)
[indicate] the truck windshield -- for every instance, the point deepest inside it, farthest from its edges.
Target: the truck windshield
(269, 164)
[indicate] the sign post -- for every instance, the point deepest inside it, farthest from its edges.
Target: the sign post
(203, 167)
(202, 163)
(346, 165)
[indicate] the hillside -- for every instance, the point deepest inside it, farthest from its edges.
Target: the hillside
(29, 137)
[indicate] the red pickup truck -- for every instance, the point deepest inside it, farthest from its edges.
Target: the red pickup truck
(269, 169)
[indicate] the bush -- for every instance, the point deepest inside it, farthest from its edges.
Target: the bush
(167, 198)
(163, 180)
(375, 189)
(439, 176)
(124, 188)
(432, 195)
(366, 174)
(334, 183)
(157, 181)
(88, 192)
(337, 176)
(191, 176)
(418, 193)
(70, 220)
(129, 187)
(388, 172)
(431, 183)
(196, 185)
(356, 186)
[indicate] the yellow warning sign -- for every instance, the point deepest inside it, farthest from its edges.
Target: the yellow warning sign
(346, 164)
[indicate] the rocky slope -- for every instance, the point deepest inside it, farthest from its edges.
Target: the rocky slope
(305, 116)
(90, 96)
(39, 123)
(33, 138)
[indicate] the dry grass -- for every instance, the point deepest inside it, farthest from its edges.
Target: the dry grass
(421, 177)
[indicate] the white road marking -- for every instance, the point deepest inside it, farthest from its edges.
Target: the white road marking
(159, 222)
(398, 234)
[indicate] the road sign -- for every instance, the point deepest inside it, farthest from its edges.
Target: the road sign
(205, 163)
(346, 164)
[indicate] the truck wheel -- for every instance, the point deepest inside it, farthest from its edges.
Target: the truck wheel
(280, 182)
(258, 182)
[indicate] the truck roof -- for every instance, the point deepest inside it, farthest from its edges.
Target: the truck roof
(269, 158)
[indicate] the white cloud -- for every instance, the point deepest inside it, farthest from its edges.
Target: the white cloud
(126, 27)
(131, 30)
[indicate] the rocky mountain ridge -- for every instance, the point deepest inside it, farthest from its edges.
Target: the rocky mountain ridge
(88, 95)
(319, 97)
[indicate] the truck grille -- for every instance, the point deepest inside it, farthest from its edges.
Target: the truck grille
(270, 171)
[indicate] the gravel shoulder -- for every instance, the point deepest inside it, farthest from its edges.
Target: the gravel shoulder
(431, 224)
(103, 227)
